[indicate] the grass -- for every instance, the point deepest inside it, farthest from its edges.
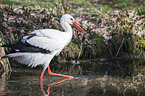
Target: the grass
(105, 8)
(95, 18)
(42, 3)
(126, 3)
(98, 21)
(82, 6)
(141, 10)
(29, 3)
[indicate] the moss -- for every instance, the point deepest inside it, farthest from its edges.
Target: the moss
(128, 46)
(99, 38)
(98, 48)
(141, 42)
(143, 69)
(74, 48)
(140, 48)
(71, 51)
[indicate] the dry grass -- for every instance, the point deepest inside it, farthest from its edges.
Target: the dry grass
(110, 32)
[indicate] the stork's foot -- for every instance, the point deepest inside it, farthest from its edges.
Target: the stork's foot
(51, 73)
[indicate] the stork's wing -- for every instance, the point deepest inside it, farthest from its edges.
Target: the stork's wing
(48, 39)
(24, 47)
(46, 43)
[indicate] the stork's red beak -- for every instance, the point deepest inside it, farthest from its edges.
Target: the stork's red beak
(78, 27)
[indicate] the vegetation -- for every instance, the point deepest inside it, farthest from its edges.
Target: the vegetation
(112, 29)
(4, 64)
(115, 30)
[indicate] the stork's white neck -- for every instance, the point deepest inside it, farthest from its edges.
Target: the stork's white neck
(66, 27)
(68, 32)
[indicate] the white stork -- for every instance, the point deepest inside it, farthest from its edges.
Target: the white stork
(40, 46)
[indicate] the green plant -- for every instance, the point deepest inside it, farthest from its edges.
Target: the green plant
(140, 11)
(104, 8)
(125, 3)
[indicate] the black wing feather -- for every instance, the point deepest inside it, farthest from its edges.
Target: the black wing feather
(25, 47)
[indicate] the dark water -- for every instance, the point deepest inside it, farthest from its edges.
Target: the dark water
(97, 78)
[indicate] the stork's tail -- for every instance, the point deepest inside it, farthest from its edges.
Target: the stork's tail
(31, 59)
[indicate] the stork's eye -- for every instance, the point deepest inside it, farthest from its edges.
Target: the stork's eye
(71, 19)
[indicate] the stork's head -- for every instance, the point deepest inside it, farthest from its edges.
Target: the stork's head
(70, 20)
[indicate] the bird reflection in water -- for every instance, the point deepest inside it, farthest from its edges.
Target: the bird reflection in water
(52, 85)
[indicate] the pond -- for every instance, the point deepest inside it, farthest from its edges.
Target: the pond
(96, 78)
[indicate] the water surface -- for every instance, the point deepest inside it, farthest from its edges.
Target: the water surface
(96, 78)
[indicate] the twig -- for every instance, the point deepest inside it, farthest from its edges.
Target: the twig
(80, 50)
(110, 52)
(119, 66)
(120, 47)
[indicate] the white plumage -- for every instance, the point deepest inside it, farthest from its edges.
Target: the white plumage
(55, 40)
(50, 40)
(32, 59)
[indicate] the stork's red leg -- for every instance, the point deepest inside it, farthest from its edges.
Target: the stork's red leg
(41, 77)
(50, 73)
